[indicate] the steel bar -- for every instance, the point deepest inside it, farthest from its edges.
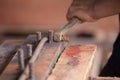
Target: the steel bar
(39, 36)
(51, 33)
(29, 50)
(21, 59)
(38, 50)
(31, 71)
(33, 58)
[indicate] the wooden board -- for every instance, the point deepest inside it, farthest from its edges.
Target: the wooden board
(74, 64)
(106, 78)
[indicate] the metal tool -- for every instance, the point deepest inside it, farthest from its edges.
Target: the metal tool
(60, 35)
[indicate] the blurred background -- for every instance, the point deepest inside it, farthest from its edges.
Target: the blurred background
(28, 16)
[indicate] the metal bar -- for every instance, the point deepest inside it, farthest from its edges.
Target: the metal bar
(51, 33)
(31, 71)
(34, 58)
(38, 50)
(39, 35)
(29, 50)
(21, 59)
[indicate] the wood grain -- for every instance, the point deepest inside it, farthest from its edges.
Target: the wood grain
(74, 64)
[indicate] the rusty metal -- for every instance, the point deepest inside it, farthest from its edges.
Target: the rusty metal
(39, 36)
(51, 33)
(29, 50)
(21, 59)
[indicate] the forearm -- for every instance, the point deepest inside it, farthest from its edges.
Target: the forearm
(104, 8)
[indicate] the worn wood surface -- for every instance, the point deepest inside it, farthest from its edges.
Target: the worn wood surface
(74, 64)
(106, 78)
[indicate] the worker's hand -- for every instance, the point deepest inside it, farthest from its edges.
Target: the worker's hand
(82, 9)
(91, 10)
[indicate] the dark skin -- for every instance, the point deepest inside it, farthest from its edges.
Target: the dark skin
(91, 10)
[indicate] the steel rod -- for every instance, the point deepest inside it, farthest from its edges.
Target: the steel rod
(30, 49)
(21, 59)
(34, 58)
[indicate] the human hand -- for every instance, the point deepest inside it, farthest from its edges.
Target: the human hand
(82, 9)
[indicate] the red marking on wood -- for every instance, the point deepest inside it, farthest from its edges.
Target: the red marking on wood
(73, 53)
(73, 50)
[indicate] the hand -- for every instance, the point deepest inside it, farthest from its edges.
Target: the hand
(82, 9)
(91, 10)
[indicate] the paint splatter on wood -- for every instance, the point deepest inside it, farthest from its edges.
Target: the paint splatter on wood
(73, 53)
(73, 50)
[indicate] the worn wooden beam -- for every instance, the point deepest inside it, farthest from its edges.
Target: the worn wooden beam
(74, 64)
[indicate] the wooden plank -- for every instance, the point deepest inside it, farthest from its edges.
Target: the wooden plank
(74, 64)
(106, 78)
